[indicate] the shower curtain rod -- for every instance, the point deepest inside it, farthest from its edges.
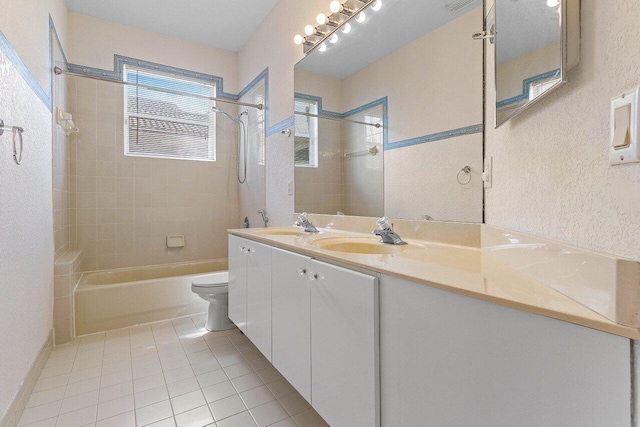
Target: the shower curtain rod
(337, 119)
(58, 71)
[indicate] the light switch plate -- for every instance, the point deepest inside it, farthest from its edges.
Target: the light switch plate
(488, 172)
(630, 153)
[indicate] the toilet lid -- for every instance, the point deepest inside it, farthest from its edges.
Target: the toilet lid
(211, 280)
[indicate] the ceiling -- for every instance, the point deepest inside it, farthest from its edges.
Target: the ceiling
(223, 24)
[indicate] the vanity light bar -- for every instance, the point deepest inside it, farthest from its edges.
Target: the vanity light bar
(342, 13)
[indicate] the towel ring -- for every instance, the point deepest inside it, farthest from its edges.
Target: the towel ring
(17, 134)
(467, 171)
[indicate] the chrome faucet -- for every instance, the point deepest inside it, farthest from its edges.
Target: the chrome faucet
(386, 233)
(265, 218)
(305, 224)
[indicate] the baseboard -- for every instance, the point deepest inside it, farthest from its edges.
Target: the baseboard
(16, 408)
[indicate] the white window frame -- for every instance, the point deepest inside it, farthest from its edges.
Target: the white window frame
(212, 116)
(313, 135)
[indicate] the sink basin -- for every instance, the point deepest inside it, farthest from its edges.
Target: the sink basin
(281, 232)
(361, 246)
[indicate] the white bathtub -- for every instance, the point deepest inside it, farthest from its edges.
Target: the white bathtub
(124, 297)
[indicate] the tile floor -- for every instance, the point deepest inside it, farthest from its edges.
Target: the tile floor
(171, 373)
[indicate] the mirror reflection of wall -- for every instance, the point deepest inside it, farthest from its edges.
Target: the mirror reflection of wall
(528, 53)
(414, 68)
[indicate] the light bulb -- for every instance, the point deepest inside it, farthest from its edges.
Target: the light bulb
(309, 30)
(347, 28)
(335, 6)
(553, 3)
(321, 19)
(361, 17)
(378, 4)
(298, 39)
(323, 47)
(333, 39)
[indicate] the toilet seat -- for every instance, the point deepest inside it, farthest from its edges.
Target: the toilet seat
(214, 280)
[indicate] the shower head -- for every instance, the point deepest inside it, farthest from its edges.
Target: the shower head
(228, 116)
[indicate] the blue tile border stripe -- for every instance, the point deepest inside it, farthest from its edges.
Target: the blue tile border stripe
(526, 85)
(453, 133)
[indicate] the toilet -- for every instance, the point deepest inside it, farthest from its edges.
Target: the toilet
(214, 288)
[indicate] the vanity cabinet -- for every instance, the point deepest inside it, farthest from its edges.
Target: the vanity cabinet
(250, 291)
(452, 360)
(344, 345)
(291, 319)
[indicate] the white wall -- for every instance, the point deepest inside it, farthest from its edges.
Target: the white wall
(26, 219)
(272, 46)
(551, 175)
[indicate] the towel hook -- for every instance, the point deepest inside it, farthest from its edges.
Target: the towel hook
(17, 134)
(467, 171)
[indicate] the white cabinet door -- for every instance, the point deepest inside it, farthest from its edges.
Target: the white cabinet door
(291, 319)
(238, 282)
(344, 346)
(259, 296)
(451, 360)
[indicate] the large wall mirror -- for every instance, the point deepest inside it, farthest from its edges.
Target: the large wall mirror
(537, 42)
(389, 118)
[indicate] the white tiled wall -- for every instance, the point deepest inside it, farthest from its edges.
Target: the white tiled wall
(126, 206)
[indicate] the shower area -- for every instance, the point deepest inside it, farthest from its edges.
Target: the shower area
(149, 171)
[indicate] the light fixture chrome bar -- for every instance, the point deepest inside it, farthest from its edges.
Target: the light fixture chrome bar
(342, 24)
(337, 119)
(58, 71)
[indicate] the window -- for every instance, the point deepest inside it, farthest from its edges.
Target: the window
(168, 125)
(306, 136)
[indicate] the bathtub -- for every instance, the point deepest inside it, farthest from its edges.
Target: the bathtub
(111, 299)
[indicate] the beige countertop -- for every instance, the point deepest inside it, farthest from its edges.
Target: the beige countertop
(469, 270)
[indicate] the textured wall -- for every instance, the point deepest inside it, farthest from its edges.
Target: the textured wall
(551, 175)
(272, 46)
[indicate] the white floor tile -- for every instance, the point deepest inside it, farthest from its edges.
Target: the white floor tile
(288, 422)
(227, 407)
(197, 417)
(183, 386)
(115, 391)
(152, 413)
(247, 382)
(269, 413)
(281, 388)
(219, 391)
(39, 413)
(78, 418)
(46, 396)
(144, 375)
(178, 374)
(49, 383)
(257, 397)
(75, 403)
(205, 366)
(210, 378)
(149, 382)
(128, 419)
(115, 407)
(82, 387)
(294, 403)
(238, 370)
(167, 422)
(151, 396)
(243, 419)
(187, 402)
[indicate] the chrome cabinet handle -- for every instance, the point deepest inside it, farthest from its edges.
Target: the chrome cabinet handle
(302, 271)
(250, 250)
(312, 276)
